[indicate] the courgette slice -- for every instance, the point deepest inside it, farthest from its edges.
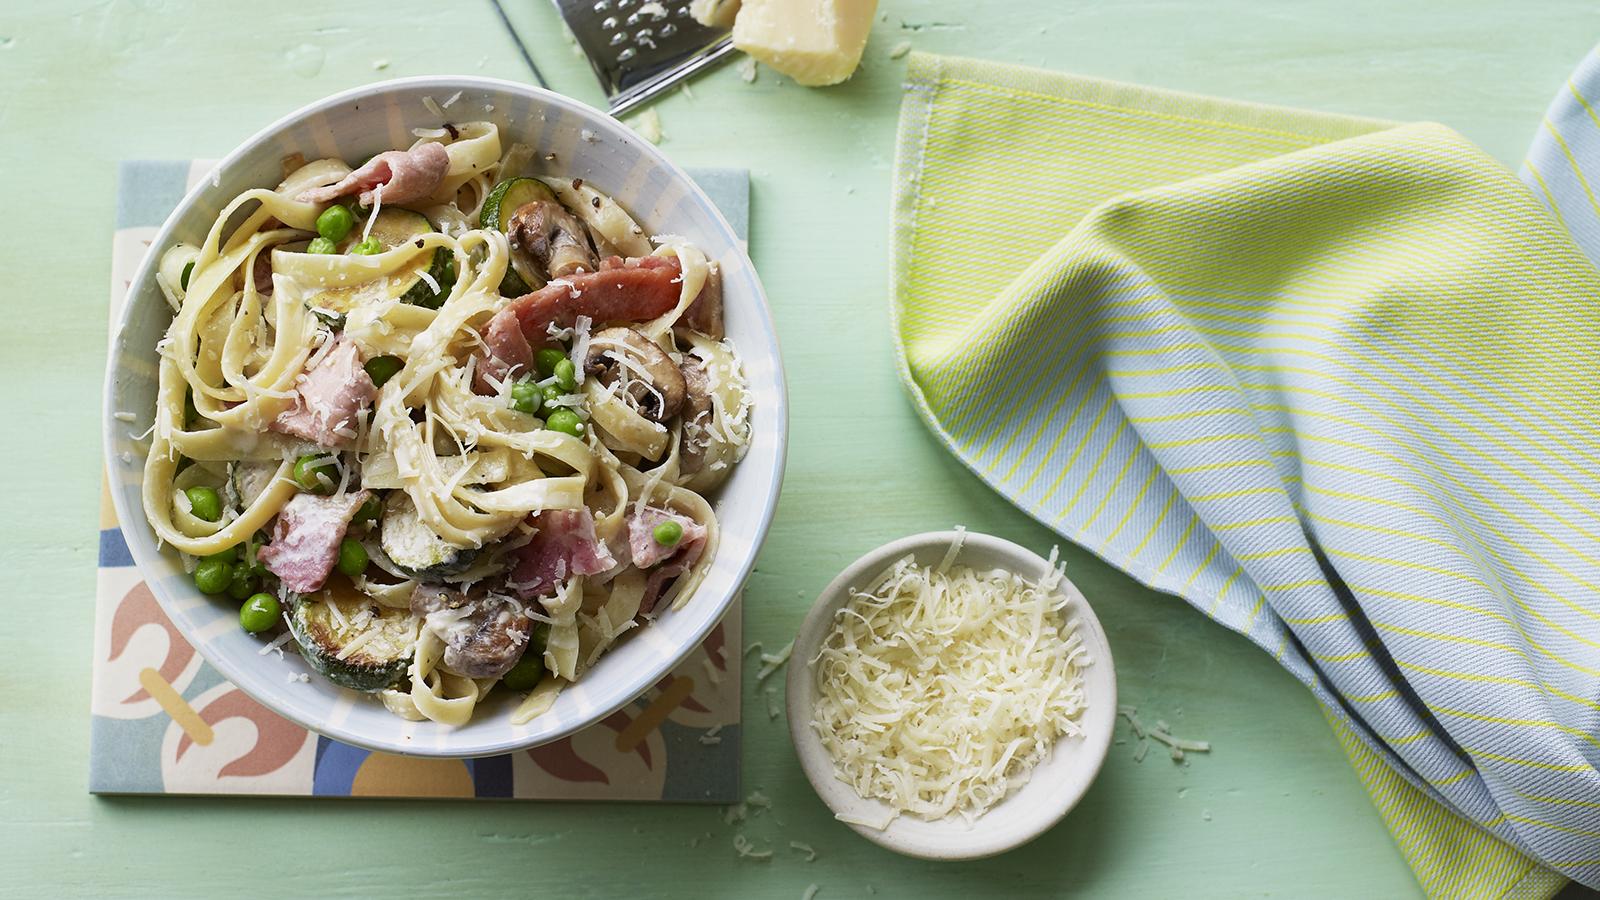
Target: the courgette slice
(506, 198)
(375, 641)
(392, 228)
(412, 546)
(249, 479)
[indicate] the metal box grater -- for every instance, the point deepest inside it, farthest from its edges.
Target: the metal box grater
(639, 48)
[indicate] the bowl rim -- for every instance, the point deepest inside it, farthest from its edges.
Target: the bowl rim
(604, 123)
(817, 764)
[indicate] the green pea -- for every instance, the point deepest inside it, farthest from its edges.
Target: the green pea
(547, 359)
(525, 397)
(258, 613)
(368, 247)
(525, 675)
(566, 375)
(228, 556)
(551, 395)
(668, 533)
(241, 584)
(204, 503)
(188, 269)
(565, 421)
(528, 670)
(382, 368)
(335, 222)
(370, 510)
(212, 576)
(322, 245)
(352, 557)
(314, 473)
(253, 565)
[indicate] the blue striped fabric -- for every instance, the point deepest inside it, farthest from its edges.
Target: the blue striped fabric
(1563, 165)
(1330, 380)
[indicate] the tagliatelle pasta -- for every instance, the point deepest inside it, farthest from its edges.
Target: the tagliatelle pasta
(455, 437)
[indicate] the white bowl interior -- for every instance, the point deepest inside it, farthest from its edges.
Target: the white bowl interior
(1054, 786)
(587, 144)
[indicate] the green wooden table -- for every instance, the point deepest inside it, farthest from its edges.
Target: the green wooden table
(1273, 810)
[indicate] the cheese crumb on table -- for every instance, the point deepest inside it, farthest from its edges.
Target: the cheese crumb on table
(815, 42)
(747, 850)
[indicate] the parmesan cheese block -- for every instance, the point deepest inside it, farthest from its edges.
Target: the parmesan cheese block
(815, 42)
(714, 13)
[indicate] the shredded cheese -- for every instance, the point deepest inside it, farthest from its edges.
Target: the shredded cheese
(274, 644)
(941, 687)
(712, 737)
(746, 850)
(772, 662)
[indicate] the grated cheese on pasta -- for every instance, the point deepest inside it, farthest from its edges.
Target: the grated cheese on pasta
(940, 688)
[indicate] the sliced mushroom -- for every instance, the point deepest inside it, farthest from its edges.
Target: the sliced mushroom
(483, 638)
(646, 372)
(705, 313)
(696, 416)
(552, 237)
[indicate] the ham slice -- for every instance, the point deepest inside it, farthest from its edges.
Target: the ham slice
(565, 545)
(656, 582)
(642, 544)
(328, 399)
(306, 538)
(668, 562)
(705, 313)
(631, 290)
(404, 175)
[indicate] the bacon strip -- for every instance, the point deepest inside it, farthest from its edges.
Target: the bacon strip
(634, 290)
(404, 175)
(306, 538)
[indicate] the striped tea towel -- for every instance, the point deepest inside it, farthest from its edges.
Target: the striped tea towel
(1563, 166)
(1331, 380)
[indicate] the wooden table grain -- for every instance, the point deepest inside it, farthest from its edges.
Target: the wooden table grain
(1274, 810)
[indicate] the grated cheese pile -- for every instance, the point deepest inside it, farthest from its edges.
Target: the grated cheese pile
(940, 688)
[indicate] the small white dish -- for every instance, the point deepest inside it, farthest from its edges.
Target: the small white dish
(1054, 786)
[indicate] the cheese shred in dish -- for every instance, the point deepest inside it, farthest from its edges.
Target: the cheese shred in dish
(940, 688)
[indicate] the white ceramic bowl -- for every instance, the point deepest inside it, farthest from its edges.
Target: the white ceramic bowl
(1055, 785)
(587, 144)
